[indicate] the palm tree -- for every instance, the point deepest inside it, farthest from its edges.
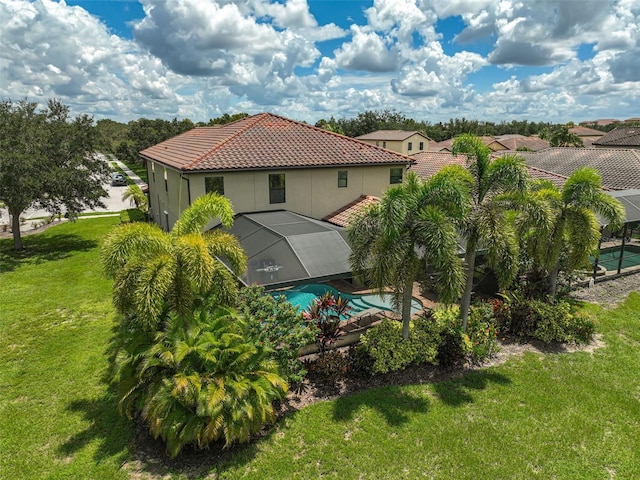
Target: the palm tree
(136, 196)
(574, 227)
(410, 230)
(494, 188)
(156, 272)
(200, 381)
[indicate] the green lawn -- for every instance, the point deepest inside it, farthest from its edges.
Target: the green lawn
(555, 416)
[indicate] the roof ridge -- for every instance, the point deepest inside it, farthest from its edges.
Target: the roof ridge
(339, 135)
(257, 116)
(547, 171)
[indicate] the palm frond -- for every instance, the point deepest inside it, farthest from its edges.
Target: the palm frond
(203, 210)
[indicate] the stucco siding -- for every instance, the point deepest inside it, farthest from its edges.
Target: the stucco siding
(311, 192)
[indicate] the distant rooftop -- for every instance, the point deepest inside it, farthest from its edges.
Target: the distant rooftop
(391, 135)
(620, 137)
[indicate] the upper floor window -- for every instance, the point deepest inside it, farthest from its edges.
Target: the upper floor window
(276, 188)
(214, 184)
(153, 171)
(396, 175)
(421, 145)
(377, 143)
(410, 146)
(384, 144)
(166, 181)
(342, 178)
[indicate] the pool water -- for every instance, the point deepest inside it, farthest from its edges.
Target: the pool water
(303, 296)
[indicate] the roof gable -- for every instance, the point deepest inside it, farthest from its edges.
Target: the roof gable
(266, 141)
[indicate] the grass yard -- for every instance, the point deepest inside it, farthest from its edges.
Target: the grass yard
(559, 416)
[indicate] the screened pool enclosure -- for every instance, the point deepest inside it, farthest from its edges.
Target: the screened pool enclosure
(284, 248)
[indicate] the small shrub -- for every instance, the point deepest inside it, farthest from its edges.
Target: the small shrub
(453, 345)
(132, 215)
(582, 327)
(330, 368)
(482, 331)
(386, 351)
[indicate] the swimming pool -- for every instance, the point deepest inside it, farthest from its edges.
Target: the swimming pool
(609, 257)
(304, 295)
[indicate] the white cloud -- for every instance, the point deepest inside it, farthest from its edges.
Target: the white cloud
(367, 51)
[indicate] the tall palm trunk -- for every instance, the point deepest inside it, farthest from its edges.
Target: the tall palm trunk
(553, 282)
(406, 307)
(470, 260)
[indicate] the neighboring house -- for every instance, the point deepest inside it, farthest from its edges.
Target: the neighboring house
(620, 137)
(445, 146)
(401, 141)
(267, 162)
(587, 135)
(632, 120)
(516, 141)
(619, 168)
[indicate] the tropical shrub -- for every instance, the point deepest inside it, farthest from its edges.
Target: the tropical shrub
(132, 215)
(326, 314)
(278, 325)
(199, 381)
(382, 348)
(546, 321)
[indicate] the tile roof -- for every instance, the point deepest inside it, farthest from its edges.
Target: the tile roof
(515, 141)
(620, 168)
(620, 137)
(586, 132)
(341, 217)
(429, 163)
(390, 135)
(266, 141)
(446, 145)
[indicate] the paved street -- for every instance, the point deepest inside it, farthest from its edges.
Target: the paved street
(113, 201)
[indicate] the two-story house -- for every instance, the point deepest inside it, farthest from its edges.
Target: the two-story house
(267, 162)
(401, 141)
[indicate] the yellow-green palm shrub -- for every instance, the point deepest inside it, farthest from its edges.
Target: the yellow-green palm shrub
(157, 272)
(200, 381)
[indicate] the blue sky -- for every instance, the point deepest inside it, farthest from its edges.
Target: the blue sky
(552, 60)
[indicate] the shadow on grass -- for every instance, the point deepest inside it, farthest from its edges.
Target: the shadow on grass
(41, 248)
(112, 431)
(392, 403)
(458, 391)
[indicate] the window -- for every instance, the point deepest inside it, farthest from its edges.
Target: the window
(409, 146)
(276, 188)
(384, 144)
(342, 178)
(421, 146)
(396, 175)
(377, 143)
(214, 184)
(153, 171)
(166, 183)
